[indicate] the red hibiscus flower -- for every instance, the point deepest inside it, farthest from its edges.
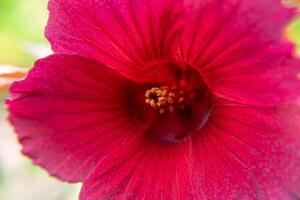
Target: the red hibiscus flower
(165, 99)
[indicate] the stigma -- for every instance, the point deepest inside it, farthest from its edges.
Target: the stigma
(165, 99)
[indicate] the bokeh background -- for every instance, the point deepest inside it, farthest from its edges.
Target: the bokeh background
(22, 41)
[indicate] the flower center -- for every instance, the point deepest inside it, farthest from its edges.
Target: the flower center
(165, 99)
(175, 99)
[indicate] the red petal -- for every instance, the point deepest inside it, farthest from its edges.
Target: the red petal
(147, 171)
(264, 78)
(238, 47)
(219, 26)
(123, 34)
(70, 112)
(243, 153)
(250, 153)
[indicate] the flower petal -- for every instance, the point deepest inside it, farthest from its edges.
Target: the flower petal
(243, 152)
(253, 152)
(147, 171)
(266, 78)
(69, 113)
(234, 43)
(123, 34)
(219, 26)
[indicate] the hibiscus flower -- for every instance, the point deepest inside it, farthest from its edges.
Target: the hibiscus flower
(165, 99)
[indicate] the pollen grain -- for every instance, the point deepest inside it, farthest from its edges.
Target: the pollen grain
(164, 99)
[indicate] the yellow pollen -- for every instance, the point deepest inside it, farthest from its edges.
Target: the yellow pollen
(164, 99)
(161, 111)
(170, 100)
(180, 100)
(171, 94)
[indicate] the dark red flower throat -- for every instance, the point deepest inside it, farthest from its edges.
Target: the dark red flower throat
(177, 99)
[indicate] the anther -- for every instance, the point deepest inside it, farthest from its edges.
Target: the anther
(164, 99)
(161, 111)
(181, 100)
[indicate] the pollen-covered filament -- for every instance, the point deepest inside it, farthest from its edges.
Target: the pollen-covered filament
(165, 99)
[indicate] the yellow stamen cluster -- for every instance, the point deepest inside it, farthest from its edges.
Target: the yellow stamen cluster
(162, 99)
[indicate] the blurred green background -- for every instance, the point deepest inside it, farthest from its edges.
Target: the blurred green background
(21, 42)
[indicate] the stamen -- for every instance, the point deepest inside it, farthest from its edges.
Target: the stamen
(180, 100)
(165, 99)
(161, 111)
